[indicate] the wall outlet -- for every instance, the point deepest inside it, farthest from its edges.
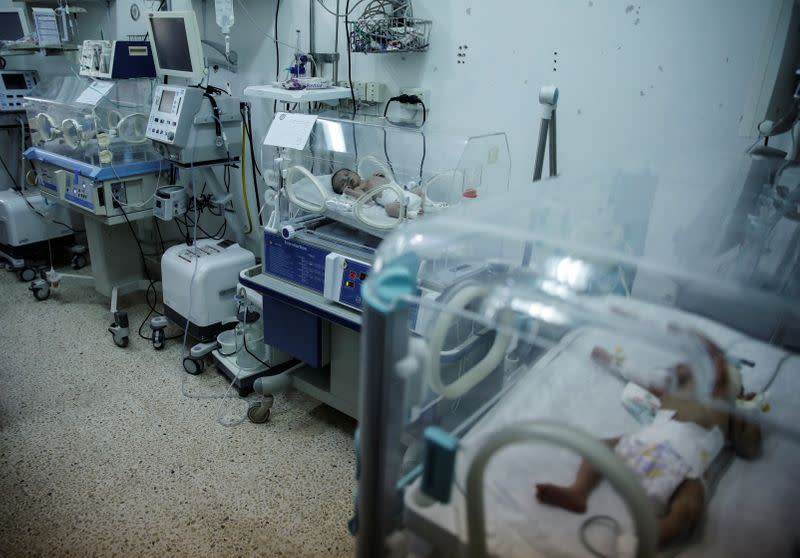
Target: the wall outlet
(375, 92)
(423, 94)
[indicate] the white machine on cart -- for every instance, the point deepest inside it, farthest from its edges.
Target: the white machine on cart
(202, 292)
(200, 284)
(25, 230)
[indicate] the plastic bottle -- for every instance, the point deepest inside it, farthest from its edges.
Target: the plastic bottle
(225, 19)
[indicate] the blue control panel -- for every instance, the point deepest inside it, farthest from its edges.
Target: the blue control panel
(354, 273)
(295, 262)
(80, 193)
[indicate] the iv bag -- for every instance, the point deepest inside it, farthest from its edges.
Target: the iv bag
(224, 10)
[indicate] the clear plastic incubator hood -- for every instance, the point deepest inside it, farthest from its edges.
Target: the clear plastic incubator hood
(524, 392)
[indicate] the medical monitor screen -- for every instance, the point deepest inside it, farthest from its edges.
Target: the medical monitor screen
(171, 44)
(10, 26)
(14, 81)
(167, 98)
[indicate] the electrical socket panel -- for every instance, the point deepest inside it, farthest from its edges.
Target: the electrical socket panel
(369, 91)
(376, 92)
(423, 94)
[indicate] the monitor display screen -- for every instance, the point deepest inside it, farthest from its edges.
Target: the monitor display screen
(14, 81)
(10, 26)
(171, 44)
(167, 98)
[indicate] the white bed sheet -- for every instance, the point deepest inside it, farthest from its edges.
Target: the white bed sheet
(764, 492)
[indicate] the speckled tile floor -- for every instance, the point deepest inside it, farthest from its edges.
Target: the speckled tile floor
(101, 453)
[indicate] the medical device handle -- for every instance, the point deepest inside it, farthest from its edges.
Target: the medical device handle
(71, 132)
(373, 195)
(380, 164)
(600, 456)
(477, 373)
(52, 126)
(141, 138)
(308, 206)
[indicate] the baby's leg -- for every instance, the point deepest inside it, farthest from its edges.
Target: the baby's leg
(573, 498)
(685, 511)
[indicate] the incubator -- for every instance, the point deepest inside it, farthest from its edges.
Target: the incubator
(98, 123)
(89, 150)
(373, 176)
(516, 400)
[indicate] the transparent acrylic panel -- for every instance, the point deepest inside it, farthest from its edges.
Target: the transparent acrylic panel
(524, 317)
(65, 120)
(351, 171)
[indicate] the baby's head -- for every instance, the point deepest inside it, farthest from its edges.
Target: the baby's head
(344, 179)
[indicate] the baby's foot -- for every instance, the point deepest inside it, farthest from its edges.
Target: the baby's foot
(561, 497)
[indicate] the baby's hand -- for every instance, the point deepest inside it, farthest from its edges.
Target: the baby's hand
(601, 356)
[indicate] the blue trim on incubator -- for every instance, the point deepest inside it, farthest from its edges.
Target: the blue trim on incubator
(79, 201)
(96, 172)
(440, 463)
(315, 310)
(396, 280)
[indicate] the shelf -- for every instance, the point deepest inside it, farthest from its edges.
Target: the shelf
(23, 50)
(296, 96)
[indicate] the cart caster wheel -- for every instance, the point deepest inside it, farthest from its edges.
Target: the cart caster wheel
(122, 342)
(40, 289)
(27, 274)
(258, 412)
(78, 261)
(192, 366)
(158, 339)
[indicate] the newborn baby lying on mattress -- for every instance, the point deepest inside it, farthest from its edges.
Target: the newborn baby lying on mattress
(350, 183)
(671, 454)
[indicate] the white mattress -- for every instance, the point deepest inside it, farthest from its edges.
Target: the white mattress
(762, 492)
(306, 190)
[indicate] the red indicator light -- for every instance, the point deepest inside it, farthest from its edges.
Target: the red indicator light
(353, 275)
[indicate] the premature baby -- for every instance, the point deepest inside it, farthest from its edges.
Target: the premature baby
(671, 455)
(350, 183)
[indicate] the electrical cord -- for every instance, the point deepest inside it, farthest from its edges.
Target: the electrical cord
(277, 52)
(406, 100)
(244, 181)
(253, 166)
(244, 337)
(349, 57)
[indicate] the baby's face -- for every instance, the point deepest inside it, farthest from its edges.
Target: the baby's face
(346, 180)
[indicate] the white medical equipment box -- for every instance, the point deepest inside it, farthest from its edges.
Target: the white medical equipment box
(20, 226)
(200, 283)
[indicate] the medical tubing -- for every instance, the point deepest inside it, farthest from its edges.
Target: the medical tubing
(597, 519)
(304, 204)
(253, 167)
(389, 174)
(361, 203)
(244, 189)
(594, 451)
(482, 369)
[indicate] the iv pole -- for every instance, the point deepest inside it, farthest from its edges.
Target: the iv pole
(548, 98)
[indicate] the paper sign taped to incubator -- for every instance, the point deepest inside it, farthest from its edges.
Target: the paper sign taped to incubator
(290, 130)
(96, 91)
